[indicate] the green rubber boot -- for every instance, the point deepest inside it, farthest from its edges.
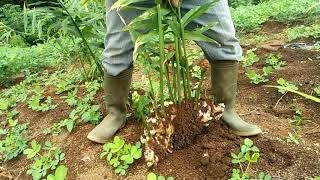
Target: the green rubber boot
(224, 75)
(116, 94)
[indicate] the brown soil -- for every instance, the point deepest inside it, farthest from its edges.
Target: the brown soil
(273, 27)
(187, 126)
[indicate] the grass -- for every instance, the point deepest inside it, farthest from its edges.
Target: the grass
(304, 31)
(251, 18)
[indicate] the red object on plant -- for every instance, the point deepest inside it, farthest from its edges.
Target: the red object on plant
(204, 64)
(170, 48)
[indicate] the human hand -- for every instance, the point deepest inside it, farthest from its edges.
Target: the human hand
(175, 3)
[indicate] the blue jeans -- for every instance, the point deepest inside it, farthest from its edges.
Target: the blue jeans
(118, 53)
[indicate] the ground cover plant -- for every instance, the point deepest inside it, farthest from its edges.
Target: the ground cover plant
(120, 155)
(51, 97)
(43, 162)
(250, 18)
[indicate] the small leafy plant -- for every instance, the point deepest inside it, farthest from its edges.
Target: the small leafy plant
(140, 105)
(45, 161)
(120, 155)
(248, 155)
(71, 98)
(39, 103)
(60, 173)
(294, 138)
(275, 61)
(55, 129)
(284, 83)
(250, 58)
(14, 143)
(83, 110)
(64, 86)
(153, 176)
(297, 117)
(257, 78)
(263, 176)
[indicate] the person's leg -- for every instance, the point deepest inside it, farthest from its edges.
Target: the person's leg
(117, 64)
(224, 62)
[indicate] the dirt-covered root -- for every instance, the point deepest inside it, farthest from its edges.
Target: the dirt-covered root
(178, 129)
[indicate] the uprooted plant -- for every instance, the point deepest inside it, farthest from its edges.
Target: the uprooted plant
(160, 36)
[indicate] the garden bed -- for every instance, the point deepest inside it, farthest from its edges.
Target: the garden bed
(208, 157)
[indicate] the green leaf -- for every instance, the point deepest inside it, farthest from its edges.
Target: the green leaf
(152, 176)
(196, 12)
(267, 70)
(122, 172)
(281, 81)
(175, 27)
(123, 3)
(51, 177)
(61, 172)
(247, 157)
(255, 157)
(268, 177)
(255, 149)
(313, 98)
(261, 175)
(244, 149)
(235, 161)
(109, 156)
(136, 152)
(103, 154)
(234, 156)
(195, 36)
(118, 144)
(248, 142)
(4, 104)
(127, 158)
(161, 178)
(106, 147)
(69, 124)
(170, 178)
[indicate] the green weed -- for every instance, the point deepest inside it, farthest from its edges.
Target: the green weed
(153, 176)
(248, 155)
(297, 117)
(275, 62)
(251, 18)
(259, 78)
(120, 155)
(140, 105)
(284, 83)
(13, 143)
(45, 160)
(60, 173)
(294, 138)
(250, 58)
(40, 103)
(303, 31)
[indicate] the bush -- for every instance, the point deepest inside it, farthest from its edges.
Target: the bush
(18, 60)
(238, 3)
(18, 2)
(12, 16)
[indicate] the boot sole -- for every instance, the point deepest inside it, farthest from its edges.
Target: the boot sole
(247, 133)
(95, 139)
(101, 141)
